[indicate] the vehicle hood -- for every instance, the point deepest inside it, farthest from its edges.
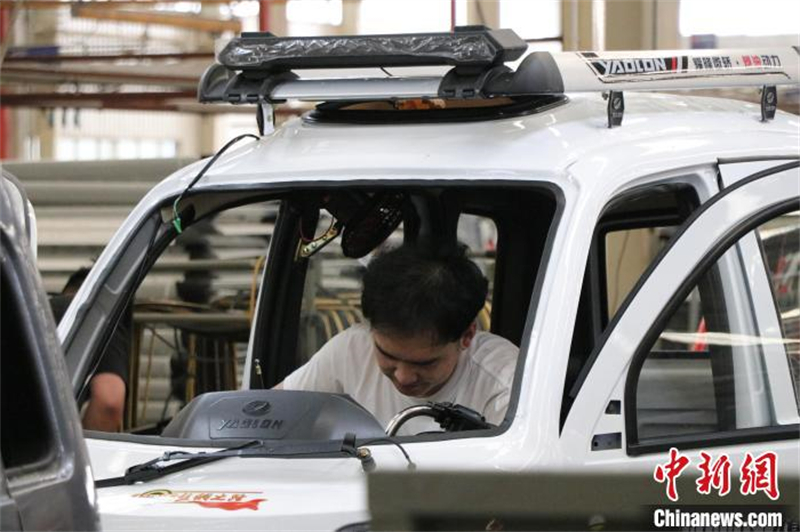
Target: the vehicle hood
(230, 494)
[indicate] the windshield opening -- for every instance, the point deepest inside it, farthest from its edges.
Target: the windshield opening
(253, 295)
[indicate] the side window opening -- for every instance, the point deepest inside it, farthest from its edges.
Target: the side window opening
(630, 234)
(686, 384)
(780, 244)
(718, 381)
(193, 311)
(627, 253)
(188, 328)
(713, 379)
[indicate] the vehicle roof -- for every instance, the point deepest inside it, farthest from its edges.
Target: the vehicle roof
(13, 203)
(544, 144)
(8, 217)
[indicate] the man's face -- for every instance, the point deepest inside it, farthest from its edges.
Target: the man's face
(416, 366)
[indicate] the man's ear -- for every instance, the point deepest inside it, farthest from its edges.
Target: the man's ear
(468, 335)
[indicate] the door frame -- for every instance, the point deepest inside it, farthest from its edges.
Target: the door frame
(709, 232)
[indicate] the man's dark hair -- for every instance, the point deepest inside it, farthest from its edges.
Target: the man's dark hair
(60, 302)
(421, 290)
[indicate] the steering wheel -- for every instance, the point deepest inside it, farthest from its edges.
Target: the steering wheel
(451, 417)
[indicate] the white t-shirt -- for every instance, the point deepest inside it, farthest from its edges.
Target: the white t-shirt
(347, 364)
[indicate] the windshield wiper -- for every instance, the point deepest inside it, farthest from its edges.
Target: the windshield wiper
(153, 469)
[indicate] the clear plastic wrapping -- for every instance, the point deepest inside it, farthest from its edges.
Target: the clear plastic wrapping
(474, 49)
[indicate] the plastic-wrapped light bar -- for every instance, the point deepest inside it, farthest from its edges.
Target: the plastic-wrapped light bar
(472, 47)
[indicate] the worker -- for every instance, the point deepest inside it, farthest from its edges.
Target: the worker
(420, 342)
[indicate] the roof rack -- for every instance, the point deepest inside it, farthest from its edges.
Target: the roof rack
(261, 68)
(467, 48)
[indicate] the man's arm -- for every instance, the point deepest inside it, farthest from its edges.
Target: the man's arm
(501, 363)
(107, 403)
(495, 409)
(106, 406)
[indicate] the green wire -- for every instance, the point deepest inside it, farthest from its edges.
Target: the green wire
(176, 218)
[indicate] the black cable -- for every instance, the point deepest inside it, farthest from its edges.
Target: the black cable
(176, 218)
(411, 465)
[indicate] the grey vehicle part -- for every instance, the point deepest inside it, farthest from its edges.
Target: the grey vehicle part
(9, 513)
(273, 415)
(45, 463)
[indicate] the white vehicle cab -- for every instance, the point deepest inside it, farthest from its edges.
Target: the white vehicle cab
(700, 352)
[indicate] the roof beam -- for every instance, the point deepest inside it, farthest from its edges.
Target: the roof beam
(180, 101)
(106, 4)
(82, 58)
(48, 75)
(177, 20)
(94, 99)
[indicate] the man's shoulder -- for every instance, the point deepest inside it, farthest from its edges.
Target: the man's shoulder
(342, 361)
(359, 332)
(493, 356)
(352, 341)
(486, 345)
